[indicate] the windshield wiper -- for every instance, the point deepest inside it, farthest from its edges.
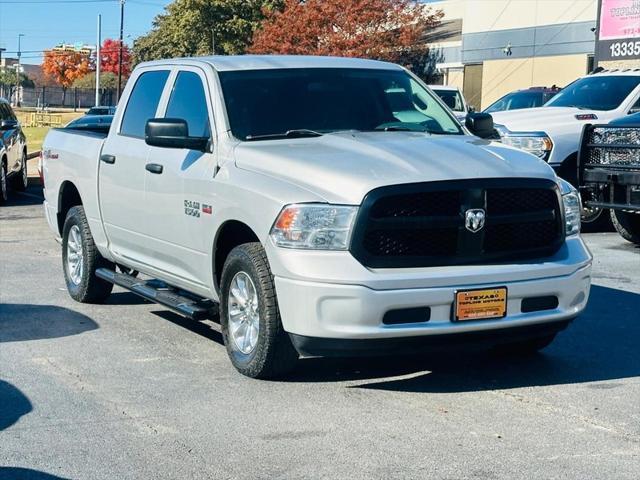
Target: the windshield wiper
(296, 133)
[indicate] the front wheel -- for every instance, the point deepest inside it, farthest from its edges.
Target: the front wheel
(627, 224)
(252, 330)
(81, 259)
(595, 219)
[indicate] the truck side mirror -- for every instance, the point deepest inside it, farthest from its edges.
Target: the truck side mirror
(480, 124)
(172, 133)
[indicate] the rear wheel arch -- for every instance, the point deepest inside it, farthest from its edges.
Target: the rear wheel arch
(68, 197)
(230, 234)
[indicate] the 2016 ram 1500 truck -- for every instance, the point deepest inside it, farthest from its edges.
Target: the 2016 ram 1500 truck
(330, 206)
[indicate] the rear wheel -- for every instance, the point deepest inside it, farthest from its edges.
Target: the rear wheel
(525, 347)
(627, 224)
(81, 259)
(21, 180)
(252, 330)
(4, 187)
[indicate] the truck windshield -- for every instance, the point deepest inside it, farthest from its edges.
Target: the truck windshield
(596, 92)
(452, 98)
(271, 104)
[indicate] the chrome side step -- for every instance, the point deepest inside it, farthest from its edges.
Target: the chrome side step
(184, 303)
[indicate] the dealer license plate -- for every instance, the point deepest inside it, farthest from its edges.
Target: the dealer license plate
(481, 304)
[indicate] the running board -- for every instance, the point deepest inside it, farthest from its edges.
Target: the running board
(184, 303)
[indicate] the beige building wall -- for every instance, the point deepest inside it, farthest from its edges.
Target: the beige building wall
(455, 78)
(500, 77)
(492, 15)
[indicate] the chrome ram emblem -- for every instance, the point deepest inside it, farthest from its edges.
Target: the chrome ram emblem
(474, 219)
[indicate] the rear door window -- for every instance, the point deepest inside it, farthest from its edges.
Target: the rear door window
(143, 102)
(189, 102)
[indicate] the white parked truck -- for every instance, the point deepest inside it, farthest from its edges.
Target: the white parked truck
(553, 132)
(328, 206)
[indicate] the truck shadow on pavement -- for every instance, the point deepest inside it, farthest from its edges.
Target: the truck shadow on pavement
(20, 322)
(31, 196)
(602, 344)
(17, 473)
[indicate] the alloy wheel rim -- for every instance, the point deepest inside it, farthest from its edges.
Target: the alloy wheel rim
(243, 313)
(3, 182)
(74, 255)
(589, 214)
(25, 174)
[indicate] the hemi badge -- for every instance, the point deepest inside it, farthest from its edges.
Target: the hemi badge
(586, 116)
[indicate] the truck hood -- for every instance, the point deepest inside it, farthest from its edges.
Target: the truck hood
(541, 119)
(344, 167)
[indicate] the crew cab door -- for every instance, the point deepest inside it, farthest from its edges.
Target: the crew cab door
(122, 166)
(179, 189)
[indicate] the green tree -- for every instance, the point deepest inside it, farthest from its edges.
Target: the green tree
(191, 27)
(8, 77)
(107, 80)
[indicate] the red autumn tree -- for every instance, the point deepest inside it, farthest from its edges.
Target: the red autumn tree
(65, 67)
(381, 29)
(109, 56)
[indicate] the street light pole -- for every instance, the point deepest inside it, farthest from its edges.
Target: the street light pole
(20, 35)
(99, 40)
(120, 50)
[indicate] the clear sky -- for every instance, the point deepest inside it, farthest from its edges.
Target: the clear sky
(46, 23)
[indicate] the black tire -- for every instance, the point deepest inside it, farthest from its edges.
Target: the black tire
(4, 182)
(21, 179)
(274, 354)
(627, 224)
(598, 221)
(89, 288)
(525, 347)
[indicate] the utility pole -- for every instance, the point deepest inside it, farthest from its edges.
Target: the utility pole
(120, 49)
(20, 35)
(98, 44)
(213, 42)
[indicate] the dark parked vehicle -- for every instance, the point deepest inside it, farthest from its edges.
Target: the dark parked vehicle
(609, 172)
(13, 152)
(528, 98)
(101, 111)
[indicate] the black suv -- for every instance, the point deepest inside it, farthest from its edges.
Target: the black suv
(13, 152)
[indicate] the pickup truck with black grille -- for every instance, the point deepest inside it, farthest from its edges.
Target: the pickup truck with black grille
(609, 172)
(317, 206)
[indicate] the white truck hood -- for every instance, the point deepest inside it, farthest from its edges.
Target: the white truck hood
(541, 119)
(344, 167)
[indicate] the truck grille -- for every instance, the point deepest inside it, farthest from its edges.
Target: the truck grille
(423, 224)
(610, 146)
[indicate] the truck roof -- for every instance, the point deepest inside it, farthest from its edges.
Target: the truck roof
(262, 62)
(614, 72)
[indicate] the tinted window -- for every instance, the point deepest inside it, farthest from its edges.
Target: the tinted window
(596, 92)
(143, 102)
(272, 102)
(4, 113)
(189, 102)
(517, 100)
(452, 98)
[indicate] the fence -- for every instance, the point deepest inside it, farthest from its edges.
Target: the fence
(41, 97)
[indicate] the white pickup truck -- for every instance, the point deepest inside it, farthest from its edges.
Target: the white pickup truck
(329, 206)
(553, 132)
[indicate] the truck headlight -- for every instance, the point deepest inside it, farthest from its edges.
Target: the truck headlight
(537, 143)
(572, 212)
(314, 226)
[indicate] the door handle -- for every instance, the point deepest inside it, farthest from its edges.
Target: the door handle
(154, 168)
(106, 158)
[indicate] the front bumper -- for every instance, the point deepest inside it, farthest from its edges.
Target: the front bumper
(337, 310)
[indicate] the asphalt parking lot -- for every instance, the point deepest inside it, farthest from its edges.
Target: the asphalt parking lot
(129, 390)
